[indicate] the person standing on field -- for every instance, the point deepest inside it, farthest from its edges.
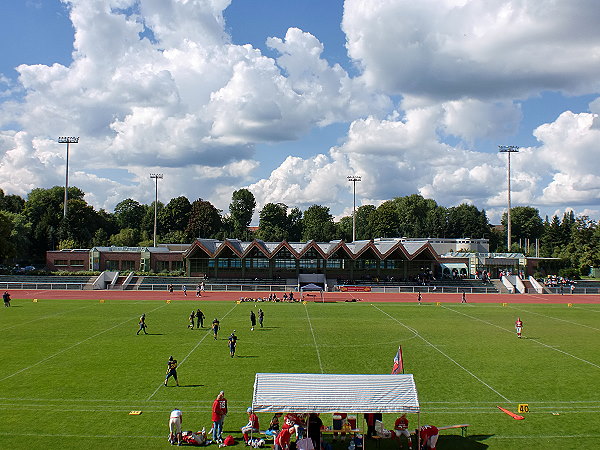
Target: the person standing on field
(184, 289)
(232, 341)
(6, 298)
(199, 319)
(252, 320)
(142, 324)
(464, 298)
(215, 328)
(261, 317)
(171, 370)
(192, 317)
(175, 420)
(219, 411)
(519, 326)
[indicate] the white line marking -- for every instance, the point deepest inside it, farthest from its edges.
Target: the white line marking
(526, 339)
(447, 356)
(45, 317)
(189, 353)
(555, 318)
(314, 339)
(70, 347)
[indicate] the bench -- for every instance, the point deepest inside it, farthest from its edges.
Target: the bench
(463, 428)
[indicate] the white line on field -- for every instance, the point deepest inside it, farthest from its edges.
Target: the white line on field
(556, 318)
(45, 317)
(69, 348)
(527, 339)
(440, 351)
(189, 353)
(314, 339)
(586, 309)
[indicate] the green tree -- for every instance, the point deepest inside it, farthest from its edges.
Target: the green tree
(384, 223)
(175, 215)
(273, 223)
(413, 211)
(205, 220)
(11, 203)
(81, 224)
(241, 209)
(129, 213)
(343, 229)
(127, 237)
(317, 224)
(295, 223)
(467, 221)
(366, 221)
(526, 223)
(7, 246)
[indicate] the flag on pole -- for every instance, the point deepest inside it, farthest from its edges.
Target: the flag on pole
(398, 363)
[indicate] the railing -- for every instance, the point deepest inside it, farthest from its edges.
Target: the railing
(41, 285)
(219, 287)
(434, 289)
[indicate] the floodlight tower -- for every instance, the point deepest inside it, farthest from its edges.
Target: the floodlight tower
(354, 179)
(155, 177)
(508, 149)
(67, 140)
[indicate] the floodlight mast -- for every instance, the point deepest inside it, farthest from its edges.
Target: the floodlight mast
(354, 179)
(67, 140)
(155, 177)
(508, 149)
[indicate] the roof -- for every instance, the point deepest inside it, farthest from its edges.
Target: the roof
(330, 393)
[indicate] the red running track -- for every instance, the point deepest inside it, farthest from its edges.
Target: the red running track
(29, 294)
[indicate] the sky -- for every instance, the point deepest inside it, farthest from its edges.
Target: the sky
(288, 98)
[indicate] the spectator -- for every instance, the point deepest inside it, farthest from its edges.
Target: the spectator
(252, 425)
(219, 411)
(175, 420)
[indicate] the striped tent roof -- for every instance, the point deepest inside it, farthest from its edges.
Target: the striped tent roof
(330, 393)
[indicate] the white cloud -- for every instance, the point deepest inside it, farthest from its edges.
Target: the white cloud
(447, 49)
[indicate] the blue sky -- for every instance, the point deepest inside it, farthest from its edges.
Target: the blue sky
(286, 98)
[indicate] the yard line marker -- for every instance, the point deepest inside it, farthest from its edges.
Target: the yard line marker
(440, 351)
(528, 339)
(45, 317)
(314, 339)
(189, 353)
(556, 318)
(69, 348)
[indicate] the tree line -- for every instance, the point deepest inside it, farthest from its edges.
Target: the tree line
(29, 227)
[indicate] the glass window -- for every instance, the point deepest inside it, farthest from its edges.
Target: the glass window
(127, 265)
(61, 262)
(285, 263)
(77, 262)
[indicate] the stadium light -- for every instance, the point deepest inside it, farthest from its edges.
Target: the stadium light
(67, 140)
(354, 179)
(155, 177)
(508, 149)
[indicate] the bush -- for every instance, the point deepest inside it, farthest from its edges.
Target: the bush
(570, 272)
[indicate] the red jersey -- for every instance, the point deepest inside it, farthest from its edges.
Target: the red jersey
(427, 431)
(401, 423)
(283, 438)
(219, 409)
(519, 324)
(253, 421)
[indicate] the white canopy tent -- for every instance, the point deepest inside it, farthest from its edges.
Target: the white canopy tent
(331, 393)
(311, 287)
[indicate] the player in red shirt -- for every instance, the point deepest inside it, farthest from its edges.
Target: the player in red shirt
(519, 326)
(219, 410)
(401, 429)
(282, 440)
(429, 436)
(252, 425)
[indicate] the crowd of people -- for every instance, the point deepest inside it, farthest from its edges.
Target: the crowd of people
(272, 297)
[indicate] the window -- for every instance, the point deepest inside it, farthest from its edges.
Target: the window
(127, 265)
(61, 262)
(285, 263)
(162, 266)
(257, 263)
(112, 265)
(77, 262)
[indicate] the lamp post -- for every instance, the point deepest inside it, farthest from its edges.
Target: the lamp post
(155, 176)
(354, 179)
(67, 140)
(508, 149)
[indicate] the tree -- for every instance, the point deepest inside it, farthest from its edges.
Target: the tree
(127, 237)
(317, 224)
(385, 220)
(343, 229)
(295, 223)
(467, 221)
(413, 211)
(7, 246)
(175, 215)
(129, 213)
(241, 209)
(526, 223)
(205, 220)
(11, 203)
(273, 222)
(80, 225)
(365, 222)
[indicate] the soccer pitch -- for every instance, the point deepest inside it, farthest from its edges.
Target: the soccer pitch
(74, 369)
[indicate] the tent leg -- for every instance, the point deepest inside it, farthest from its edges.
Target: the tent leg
(419, 431)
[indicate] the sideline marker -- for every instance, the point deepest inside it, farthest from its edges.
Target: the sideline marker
(134, 413)
(570, 305)
(504, 304)
(102, 300)
(511, 414)
(438, 303)
(168, 301)
(35, 300)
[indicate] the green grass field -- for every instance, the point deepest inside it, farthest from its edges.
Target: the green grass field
(74, 369)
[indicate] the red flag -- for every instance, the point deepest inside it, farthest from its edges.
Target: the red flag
(398, 363)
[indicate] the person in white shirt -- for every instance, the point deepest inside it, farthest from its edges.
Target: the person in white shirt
(175, 420)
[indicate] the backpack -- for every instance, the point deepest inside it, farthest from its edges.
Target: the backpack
(229, 441)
